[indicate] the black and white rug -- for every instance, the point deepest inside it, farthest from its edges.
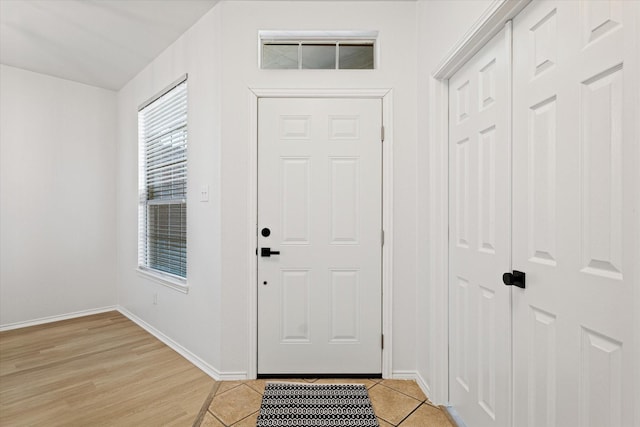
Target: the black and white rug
(311, 405)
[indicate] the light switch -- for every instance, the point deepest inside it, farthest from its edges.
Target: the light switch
(204, 193)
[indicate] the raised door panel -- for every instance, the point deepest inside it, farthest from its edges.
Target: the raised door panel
(344, 312)
(487, 367)
(601, 375)
(487, 190)
(344, 200)
(294, 303)
(542, 181)
(296, 200)
(461, 330)
(542, 374)
(601, 180)
(462, 193)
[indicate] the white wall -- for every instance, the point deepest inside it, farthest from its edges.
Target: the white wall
(58, 245)
(57, 194)
(191, 320)
(441, 24)
(220, 54)
(395, 22)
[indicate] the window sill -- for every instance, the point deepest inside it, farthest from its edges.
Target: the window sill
(170, 282)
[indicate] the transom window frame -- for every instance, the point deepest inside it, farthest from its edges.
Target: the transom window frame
(175, 281)
(266, 37)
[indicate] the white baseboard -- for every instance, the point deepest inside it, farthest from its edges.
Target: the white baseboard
(454, 415)
(232, 376)
(57, 318)
(403, 375)
(424, 386)
(201, 364)
(415, 376)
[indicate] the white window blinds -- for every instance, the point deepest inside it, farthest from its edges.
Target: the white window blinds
(162, 211)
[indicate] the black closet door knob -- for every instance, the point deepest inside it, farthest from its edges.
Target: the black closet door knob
(517, 278)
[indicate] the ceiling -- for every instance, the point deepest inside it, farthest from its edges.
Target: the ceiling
(102, 43)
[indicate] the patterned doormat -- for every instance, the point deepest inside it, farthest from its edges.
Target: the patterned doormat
(294, 404)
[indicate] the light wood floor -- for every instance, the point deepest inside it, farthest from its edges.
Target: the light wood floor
(96, 370)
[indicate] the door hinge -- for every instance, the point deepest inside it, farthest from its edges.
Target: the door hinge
(382, 237)
(382, 341)
(382, 133)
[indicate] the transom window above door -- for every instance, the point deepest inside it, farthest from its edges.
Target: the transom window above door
(318, 50)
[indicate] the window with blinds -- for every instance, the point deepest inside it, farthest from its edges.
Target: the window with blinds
(162, 210)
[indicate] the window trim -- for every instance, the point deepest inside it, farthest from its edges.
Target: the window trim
(319, 37)
(174, 282)
(183, 78)
(164, 278)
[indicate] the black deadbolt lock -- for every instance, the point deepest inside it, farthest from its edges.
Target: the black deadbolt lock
(265, 232)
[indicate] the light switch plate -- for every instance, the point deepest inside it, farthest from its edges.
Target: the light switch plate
(204, 193)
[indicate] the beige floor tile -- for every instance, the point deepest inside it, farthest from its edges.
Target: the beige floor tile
(393, 400)
(210, 421)
(367, 383)
(390, 405)
(235, 404)
(383, 423)
(427, 416)
(250, 421)
(408, 387)
(227, 385)
(257, 385)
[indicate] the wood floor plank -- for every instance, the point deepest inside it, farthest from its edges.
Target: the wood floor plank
(96, 370)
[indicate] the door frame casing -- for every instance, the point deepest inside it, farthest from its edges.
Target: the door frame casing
(386, 96)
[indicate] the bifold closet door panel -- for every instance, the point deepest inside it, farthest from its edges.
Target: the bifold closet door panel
(575, 213)
(479, 218)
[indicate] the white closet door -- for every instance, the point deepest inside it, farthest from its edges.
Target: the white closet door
(479, 252)
(575, 217)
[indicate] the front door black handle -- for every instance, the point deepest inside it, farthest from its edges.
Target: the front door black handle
(268, 252)
(517, 278)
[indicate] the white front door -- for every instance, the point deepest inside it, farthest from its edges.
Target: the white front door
(479, 239)
(320, 209)
(575, 219)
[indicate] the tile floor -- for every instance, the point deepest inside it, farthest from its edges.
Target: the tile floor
(395, 402)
